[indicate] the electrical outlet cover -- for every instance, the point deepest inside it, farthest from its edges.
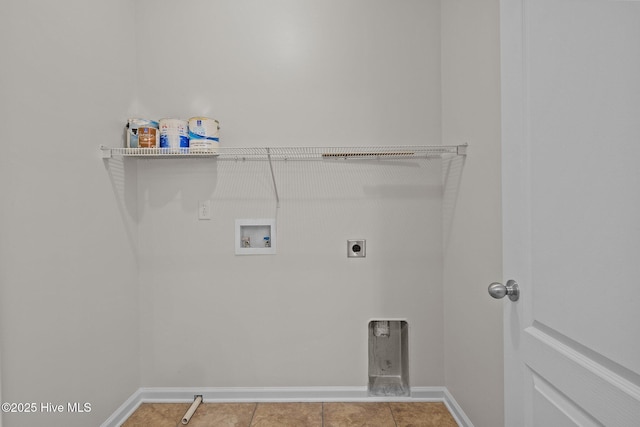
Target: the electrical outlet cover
(204, 209)
(356, 248)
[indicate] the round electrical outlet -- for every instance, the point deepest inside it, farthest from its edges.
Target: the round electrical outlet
(356, 248)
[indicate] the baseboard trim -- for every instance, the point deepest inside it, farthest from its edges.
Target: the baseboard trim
(278, 394)
(456, 411)
(124, 411)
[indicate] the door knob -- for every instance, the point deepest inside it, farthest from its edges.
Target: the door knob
(498, 290)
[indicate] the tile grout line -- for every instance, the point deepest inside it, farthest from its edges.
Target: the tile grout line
(393, 417)
(253, 414)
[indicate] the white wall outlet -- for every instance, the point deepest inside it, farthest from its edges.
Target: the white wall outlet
(204, 209)
(356, 248)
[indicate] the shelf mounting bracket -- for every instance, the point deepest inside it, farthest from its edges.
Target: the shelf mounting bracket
(105, 151)
(273, 178)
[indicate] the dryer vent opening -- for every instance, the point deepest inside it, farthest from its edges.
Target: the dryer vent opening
(388, 358)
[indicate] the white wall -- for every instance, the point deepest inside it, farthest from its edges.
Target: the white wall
(290, 73)
(298, 318)
(471, 112)
(68, 296)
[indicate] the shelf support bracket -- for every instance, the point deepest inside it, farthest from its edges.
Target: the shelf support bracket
(273, 177)
(105, 151)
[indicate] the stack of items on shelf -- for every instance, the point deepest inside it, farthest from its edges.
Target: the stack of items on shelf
(199, 134)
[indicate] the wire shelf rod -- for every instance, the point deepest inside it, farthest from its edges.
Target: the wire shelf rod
(292, 153)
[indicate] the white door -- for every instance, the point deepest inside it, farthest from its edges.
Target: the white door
(571, 206)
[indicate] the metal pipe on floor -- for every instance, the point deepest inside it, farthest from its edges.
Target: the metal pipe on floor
(187, 416)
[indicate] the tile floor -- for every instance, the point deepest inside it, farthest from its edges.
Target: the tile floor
(333, 414)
